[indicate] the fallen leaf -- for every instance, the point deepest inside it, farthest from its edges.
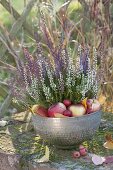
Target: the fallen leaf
(84, 102)
(108, 145)
(98, 160)
(109, 142)
(7, 131)
(108, 159)
(102, 99)
(45, 158)
(3, 123)
(109, 137)
(31, 109)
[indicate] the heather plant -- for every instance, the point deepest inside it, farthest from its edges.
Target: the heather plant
(55, 71)
(89, 21)
(45, 80)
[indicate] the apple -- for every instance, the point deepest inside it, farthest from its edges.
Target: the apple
(40, 110)
(56, 108)
(59, 115)
(67, 113)
(76, 154)
(77, 110)
(93, 105)
(82, 150)
(67, 102)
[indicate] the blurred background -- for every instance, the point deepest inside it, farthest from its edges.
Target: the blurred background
(93, 20)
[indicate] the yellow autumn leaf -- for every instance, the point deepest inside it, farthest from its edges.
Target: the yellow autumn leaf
(32, 110)
(109, 142)
(108, 145)
(45, 158)
(84, 102)
(102, 99)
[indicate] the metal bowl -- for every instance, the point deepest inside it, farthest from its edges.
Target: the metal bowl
(67, 132)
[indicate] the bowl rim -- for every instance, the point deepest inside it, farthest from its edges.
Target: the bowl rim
(65, 118)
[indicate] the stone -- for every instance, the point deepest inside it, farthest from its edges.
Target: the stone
(9, 161)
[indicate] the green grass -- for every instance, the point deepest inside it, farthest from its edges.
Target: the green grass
(18, 5)
(5, 17)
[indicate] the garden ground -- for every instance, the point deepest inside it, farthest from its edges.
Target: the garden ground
(21, 147)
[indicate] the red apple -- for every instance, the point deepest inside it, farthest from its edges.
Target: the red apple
(59, 115)
(81, 147)
(67, 113)
(40, 110)
(93, 105)
(67, 102)
(56, 108)
(77, 110)
(76, 154)
(82, 150)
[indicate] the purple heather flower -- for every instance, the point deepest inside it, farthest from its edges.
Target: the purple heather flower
(20, 69)
(56, 54)
(85, 60)
(29, 60)
(61, 83)
(39, 51)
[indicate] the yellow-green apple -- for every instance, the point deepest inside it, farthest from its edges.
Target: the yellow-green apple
(40, 110)
(67, 113)
(93, 105)
(77, 110)
(56, 108)
(67, 102)
(59, 115)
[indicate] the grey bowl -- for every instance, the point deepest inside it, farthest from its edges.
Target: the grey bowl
(67, 132)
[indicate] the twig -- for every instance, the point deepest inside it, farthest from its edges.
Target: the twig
(4, 83)
(8, 69)
(20, 21)
(5, 104)
(18, 24)
(7, 65)
(16, 15)
(109, 82)
(9, 49)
